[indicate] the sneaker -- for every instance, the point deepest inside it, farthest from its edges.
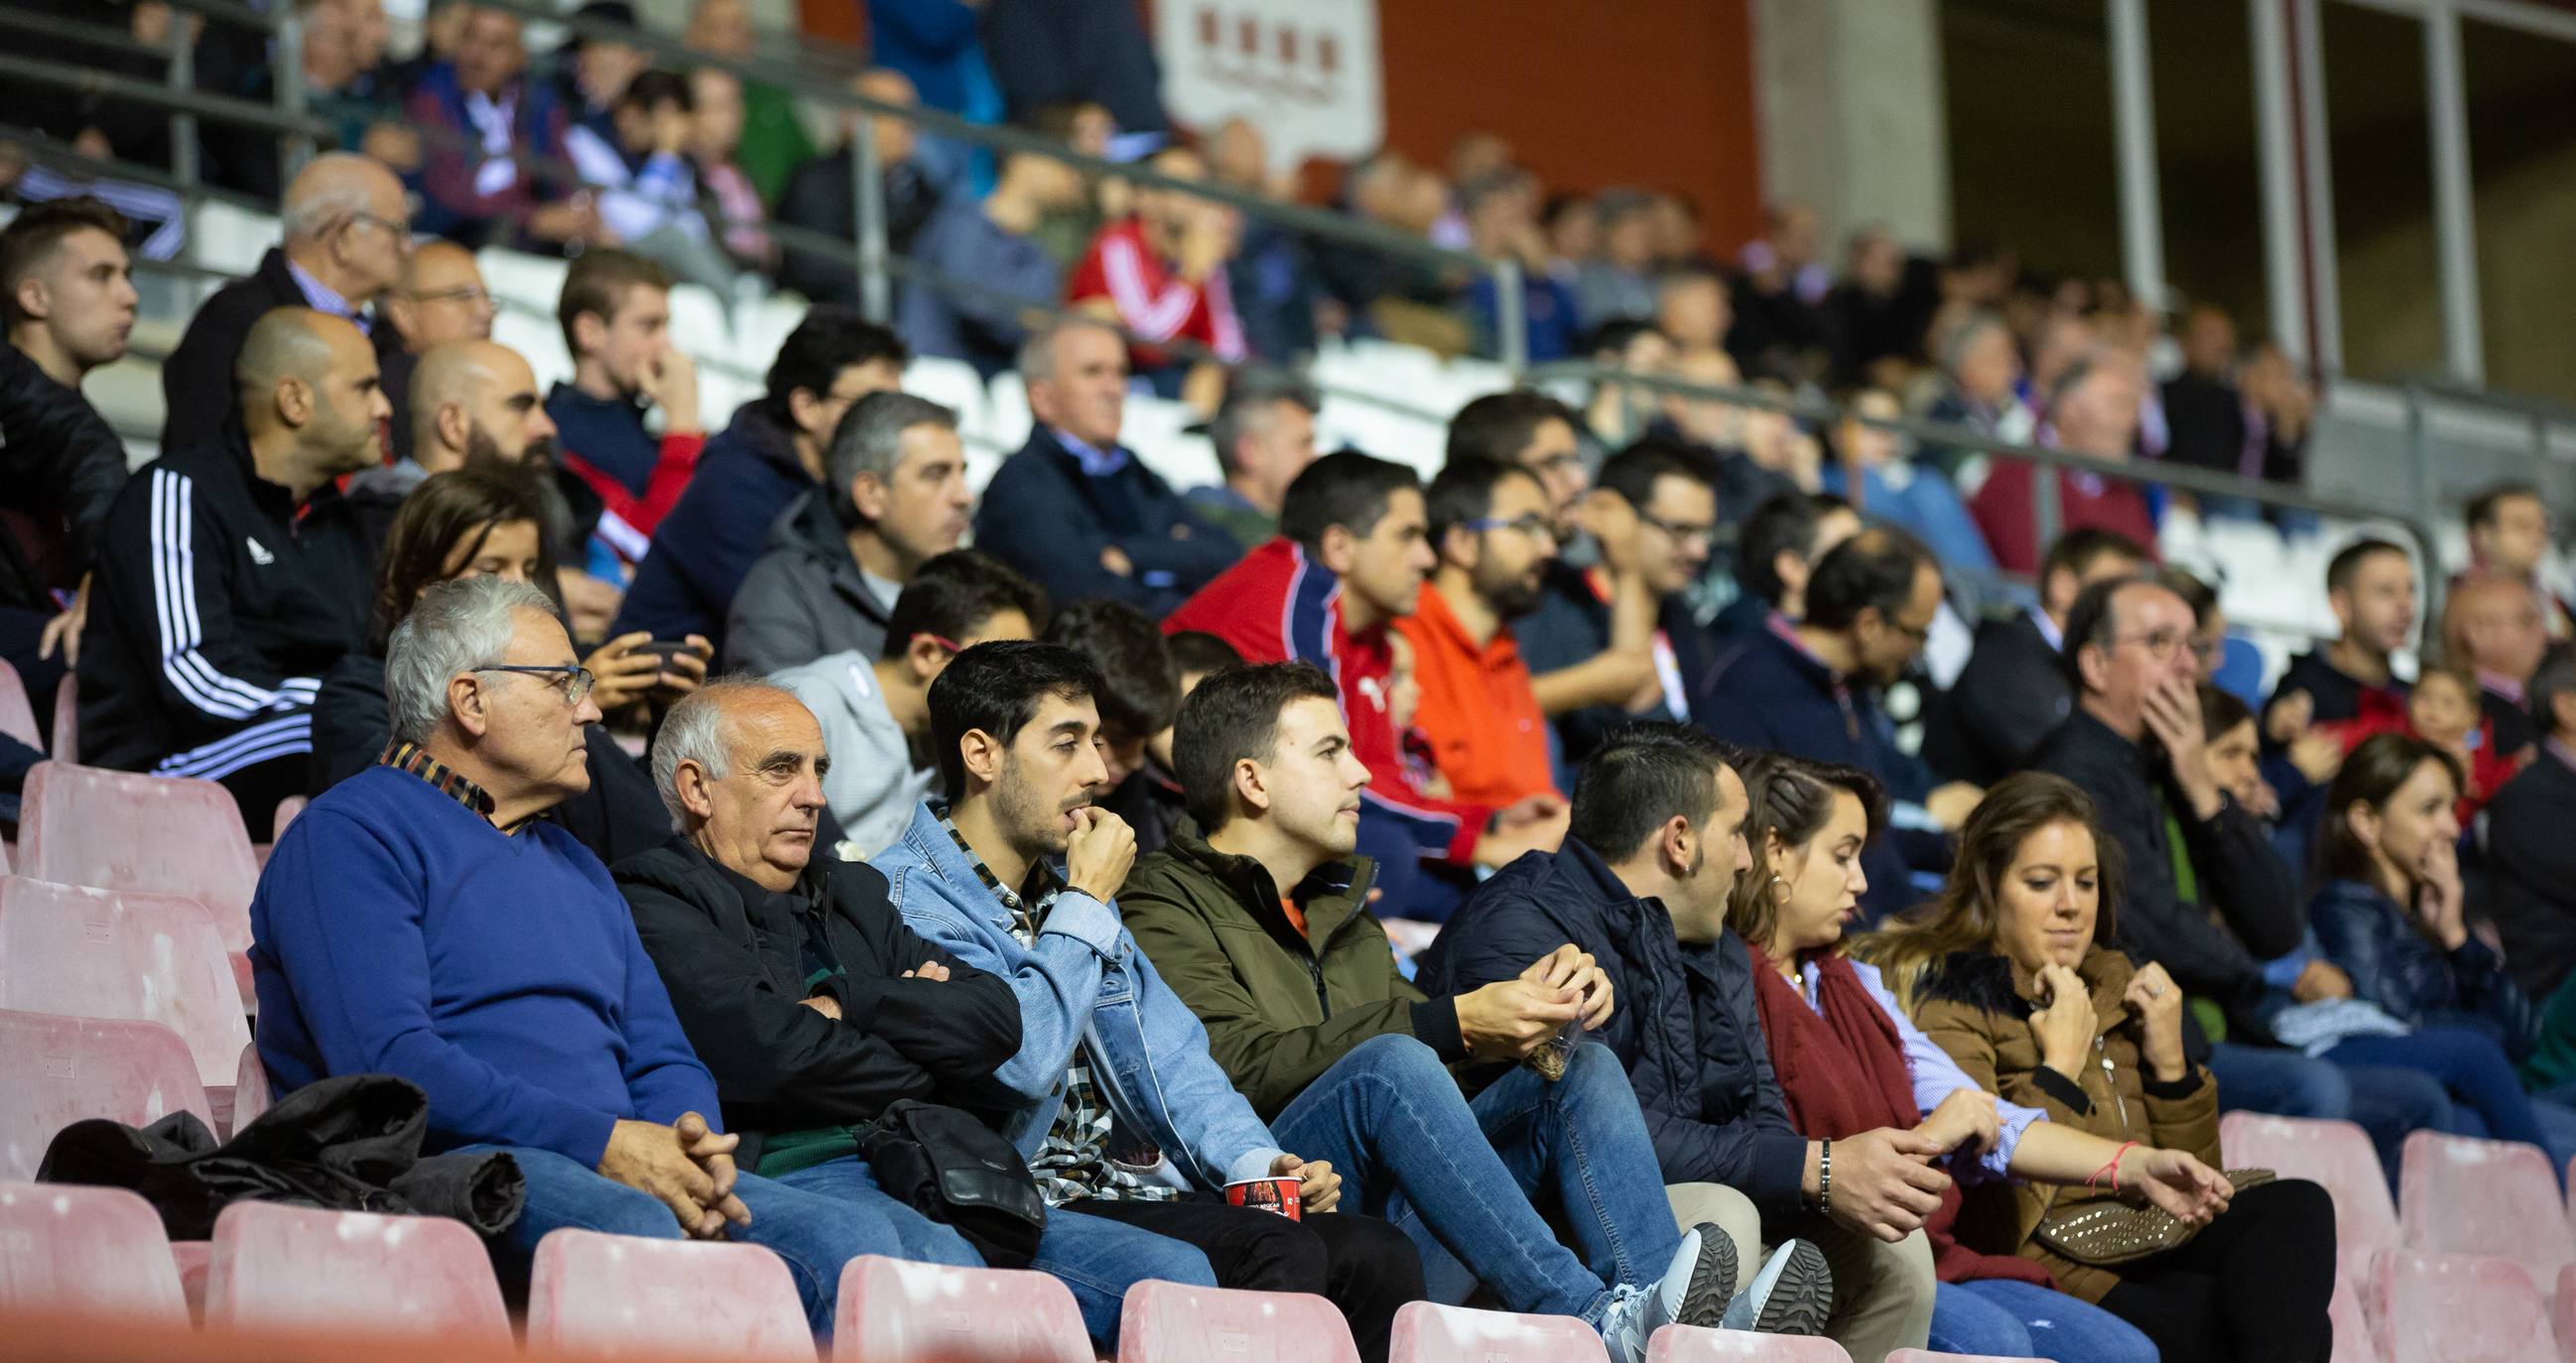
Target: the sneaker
(1691, 1292)
(1792, 1294)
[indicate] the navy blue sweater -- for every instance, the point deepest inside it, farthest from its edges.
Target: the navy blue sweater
(1050, 520)
(398, 932)
(707, 543)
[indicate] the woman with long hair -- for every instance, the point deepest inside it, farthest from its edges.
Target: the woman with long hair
(1849, 1062)
(2009, 971)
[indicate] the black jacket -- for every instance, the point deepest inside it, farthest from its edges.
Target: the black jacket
(734, 958)
(197, 379)
(2395, 965)
(2531, 882)
(2012, 692)
(217, 607)
(1685, 1027)
(61, 466)
(1046, 517)
(820, 197)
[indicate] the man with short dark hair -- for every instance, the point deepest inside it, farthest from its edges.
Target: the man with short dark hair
(752, 471)
(2532, 886)
(2014, 689)
(1141, 694)
(1775, 553)
(1260, 925)
(621, 479)
(1264, 437)
(1537, 432)
(1811, 689)
(893, 497)
(2509, 529)
(1491, 529)
(2370, 586)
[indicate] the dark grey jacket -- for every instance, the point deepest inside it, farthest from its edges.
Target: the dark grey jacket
(804, 598)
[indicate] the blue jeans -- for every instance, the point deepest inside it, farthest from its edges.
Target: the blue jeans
(2386, 1102)
(1459, 1177)
(2006, 1318)
(814, 1230)
(1099, 1259)
(2469, 1065)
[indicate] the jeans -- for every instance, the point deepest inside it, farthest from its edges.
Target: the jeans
(2468, 1064)
(1460, 1177)
(1360, 1264)
(1099, 1259)
(2007, 1318)
(815, 1231)
(2387, 1103)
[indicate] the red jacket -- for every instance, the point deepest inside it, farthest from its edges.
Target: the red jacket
(2002, 508)
(1153, 301)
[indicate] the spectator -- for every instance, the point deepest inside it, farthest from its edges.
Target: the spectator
(591, 70)
(1573, 227)
(390, 937)
(1141, 694)
(1271, 275)
(2025, 918)
(811, 1004)
(1014, 726)
(2014, 689)
(2203, 406)
(1692, 308)
(1493, 538)
(938, 45)
(226, 583)
(2531, 891)
(487, 521)
(820, 194)
(1264, 436)
(1086, 128)
(618, 476)
(1980, 370)
(1618, 413)
(67, 298)
(1915, 498)
(2442, 710)
(1095, 51)
(1776, 551)
(1160, 276)
(647, 188)
(441, 300)
(1535, 431)
(1652, 516)
(2094, 411)
(1780, 322)
(773, 141)
(895, 497)
(1270, 898)
(875, 710)
(1352, 553)
(2062, 338)
(741, 216)
(479, 116)
(1878, 322)
(477, 405)
(2496, 626)
(1077, 510)
(1641, 886)
(1757, 455)
(347, 232)
(2509, 530)
(989, 275)
(1619, 284)
(2370, 586)
(1500, 226)
(1152, 801)
(341, 45)
(772, 453)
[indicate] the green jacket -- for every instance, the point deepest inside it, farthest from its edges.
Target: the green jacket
(1279, 1008)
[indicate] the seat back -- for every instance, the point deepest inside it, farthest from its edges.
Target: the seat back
(612, 1296)
(124, 955)
(2354, 1341)
(83, 826)
(17, 714)
(2464, 1196)
(1161, 1322)
(2339, 1157)
(2458, 1308)
(2562, 1313)
(66, 735)
(1426, 1332)
(60, 1070)
(898, 1311)
(1935, 1356)
(65, 1248)
(278, 1267)
(1691, 1344)
(251, 1095)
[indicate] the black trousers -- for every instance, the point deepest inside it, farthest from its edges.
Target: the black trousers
(2252, 1287)
(1360, 1264)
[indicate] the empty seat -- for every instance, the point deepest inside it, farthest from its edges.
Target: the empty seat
(2353, 1340)
(2463, 1196)
(79, 826)
(126, 955)
(276, 1267)
(2339, 1157)
(17, 716)
(898, 1311)
(72, 1249)
(699, 324)
(60, 1070)
(2562, 1314)
(1429, 1333)
(2458, 1308)
(1690, 1344)
(610, 1296)
(1164, 1322)
(251, 1095)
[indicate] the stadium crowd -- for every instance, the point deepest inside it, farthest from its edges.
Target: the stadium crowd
(1524, 865)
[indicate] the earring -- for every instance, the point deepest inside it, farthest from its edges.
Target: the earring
(1779, 887)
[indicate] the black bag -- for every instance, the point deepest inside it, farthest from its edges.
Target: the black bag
(949, 1166)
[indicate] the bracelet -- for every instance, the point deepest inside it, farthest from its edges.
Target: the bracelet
(2111, 1167)
(1825, 1178)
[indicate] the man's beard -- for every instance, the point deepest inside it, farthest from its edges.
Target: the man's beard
(483, 452)
(1513, 597)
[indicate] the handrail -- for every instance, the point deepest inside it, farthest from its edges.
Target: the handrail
(196, 103)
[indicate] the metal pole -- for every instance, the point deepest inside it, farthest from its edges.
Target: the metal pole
(183, 126)
(2454, 204)
(294, 149)
(1511, 321)
(2325, 286)
(867, 189)
(2133, 116)
(2284, 267)
(2046, 512)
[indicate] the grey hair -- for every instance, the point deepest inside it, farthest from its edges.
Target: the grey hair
(695, 731)
(870, 440)
(325, 204)
(1251, 401)
(456, 627)
(1037, 353)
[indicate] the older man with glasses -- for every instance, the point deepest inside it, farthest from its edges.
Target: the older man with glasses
(424, 919)
(441, 300)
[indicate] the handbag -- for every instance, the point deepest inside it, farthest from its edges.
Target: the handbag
(949, 1166)
(2108, 1234)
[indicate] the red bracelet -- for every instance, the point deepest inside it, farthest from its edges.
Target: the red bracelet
(2111, 1167)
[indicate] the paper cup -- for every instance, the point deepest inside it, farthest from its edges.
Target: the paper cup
(1277, 1196)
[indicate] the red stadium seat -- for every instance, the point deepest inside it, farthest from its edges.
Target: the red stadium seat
(68, 1248)
(1935, 1356)
(17, 716)
(59, 1070)
(1690, 1344)
(2562, 1312)
(2354, 1340)
(2463, 1196)
(897, 1311)
(2458, 1308)
(1429, 1333)
(612, 1296)
(251, 1096)
(1169, 1323)
(2338, 1156)
(66, 744)
(124, 955)
(277, 1267)
(82, 826)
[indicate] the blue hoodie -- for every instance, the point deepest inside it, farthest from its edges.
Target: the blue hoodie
(708, 541)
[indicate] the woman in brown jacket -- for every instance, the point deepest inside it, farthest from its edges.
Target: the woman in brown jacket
(2009, 973)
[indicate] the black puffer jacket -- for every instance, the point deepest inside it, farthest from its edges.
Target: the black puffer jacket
(61, 466)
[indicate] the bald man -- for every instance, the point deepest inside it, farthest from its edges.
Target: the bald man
(230, 574)
(440, 299)
(470, 402)
(347, 233)
(2497, 625)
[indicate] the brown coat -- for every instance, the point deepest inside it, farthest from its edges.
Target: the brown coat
(1977, 1007)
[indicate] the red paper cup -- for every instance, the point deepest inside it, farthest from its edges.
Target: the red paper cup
(1277, 1196)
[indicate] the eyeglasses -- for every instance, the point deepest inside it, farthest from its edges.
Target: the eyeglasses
(1555, 463)
(1537, 527)
(570, 680)
(1685, 534)
(2160, 644)
(1920, 634)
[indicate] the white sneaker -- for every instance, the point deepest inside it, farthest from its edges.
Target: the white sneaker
(1692, 1292)
(1792, 1295)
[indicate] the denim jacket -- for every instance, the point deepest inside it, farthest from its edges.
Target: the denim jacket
(1087, 984)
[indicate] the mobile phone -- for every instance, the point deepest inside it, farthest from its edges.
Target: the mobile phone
(667, 650)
